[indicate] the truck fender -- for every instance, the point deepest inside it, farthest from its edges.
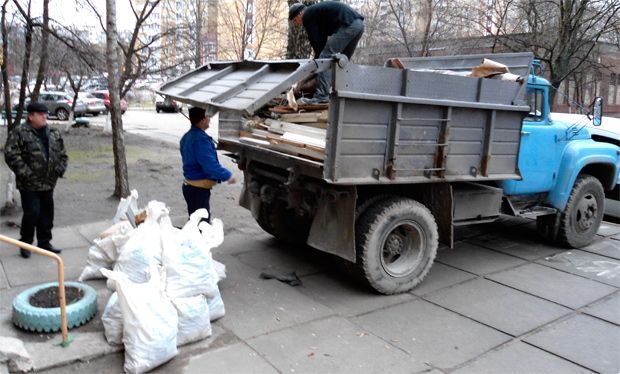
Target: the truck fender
(602, 159)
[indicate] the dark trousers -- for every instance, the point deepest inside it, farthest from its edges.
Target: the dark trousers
(197, 198)
(38, 209)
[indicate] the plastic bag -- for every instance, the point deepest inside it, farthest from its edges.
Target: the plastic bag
(194, 322)
(144, 247)
(150, 322)
(212, 233)
(130, 203)
(112, 319)
(103, 254)
(216, 306)
(188, 265)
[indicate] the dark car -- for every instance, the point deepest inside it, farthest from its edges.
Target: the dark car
(167, 105)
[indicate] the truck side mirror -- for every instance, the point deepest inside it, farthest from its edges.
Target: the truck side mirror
(597, 111)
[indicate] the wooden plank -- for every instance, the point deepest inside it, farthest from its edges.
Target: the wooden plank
(303, 139)
(305, 117)
(282, 127)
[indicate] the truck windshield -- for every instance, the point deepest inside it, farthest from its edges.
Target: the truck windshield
(535, 99)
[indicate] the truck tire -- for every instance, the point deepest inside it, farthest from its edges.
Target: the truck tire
(264, 218)
(284, 224)
(583, 214)
(396, 242)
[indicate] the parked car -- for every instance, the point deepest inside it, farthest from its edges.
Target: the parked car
(59, 104)
(608, 132)
(167, 105)
(105, 95)
(94, 105)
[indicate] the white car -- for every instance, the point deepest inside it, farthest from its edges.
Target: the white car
(608, 132)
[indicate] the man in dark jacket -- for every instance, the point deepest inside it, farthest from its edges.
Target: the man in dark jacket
(201, 167)
(332, 27)
(36, 154)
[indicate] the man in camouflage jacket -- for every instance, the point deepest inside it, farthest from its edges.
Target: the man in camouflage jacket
(36, 154)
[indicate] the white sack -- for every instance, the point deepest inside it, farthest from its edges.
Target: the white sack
(112, 319)
(213, 233)
(216, 307)
(128, 203)
(149, 321)
(103, 254)
(144, 247)
(194, 322)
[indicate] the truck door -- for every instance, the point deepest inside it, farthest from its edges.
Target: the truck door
(537, 152)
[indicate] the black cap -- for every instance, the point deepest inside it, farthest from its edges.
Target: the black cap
(196, 114)
(36, 107)
(294, 10)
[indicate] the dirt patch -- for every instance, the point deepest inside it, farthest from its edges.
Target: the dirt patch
(155, 169)
(48, 297)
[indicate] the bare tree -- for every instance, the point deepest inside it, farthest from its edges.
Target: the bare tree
(298, 45)
(251, 29)
(43, 54)
(121, 179)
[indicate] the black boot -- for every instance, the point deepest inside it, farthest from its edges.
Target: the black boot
(24, 253)
(50, 247)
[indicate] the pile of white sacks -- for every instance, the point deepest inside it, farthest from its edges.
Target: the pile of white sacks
(165, 282)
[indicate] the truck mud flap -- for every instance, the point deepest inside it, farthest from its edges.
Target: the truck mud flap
(333, 227)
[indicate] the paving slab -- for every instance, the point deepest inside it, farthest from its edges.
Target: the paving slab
(599, 268)
(7, 249)
(608, 229)
(257, 306)
(476, 260)
(345, 296)
(441, 338)
(4, 283)
(235, 243)
(332, 345)
(280, 260)
(90, 231)
(585, 340)
(236, 358)
(607, 309)
(508, 310)
(441, 276)
(84, 346)
(517, 244)
(518, 357)
(69, 237)
(39, 269)
(605, 247)
(554, 285)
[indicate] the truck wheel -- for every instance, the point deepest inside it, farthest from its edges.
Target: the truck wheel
(264, 218)
(583, 213)
(284, 224)
(396, 242)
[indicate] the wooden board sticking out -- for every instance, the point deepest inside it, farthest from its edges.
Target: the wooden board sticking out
(305, 117)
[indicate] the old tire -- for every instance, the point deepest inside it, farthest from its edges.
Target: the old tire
(62, 114)
(584, 211)
(29, 317)
(396, 242)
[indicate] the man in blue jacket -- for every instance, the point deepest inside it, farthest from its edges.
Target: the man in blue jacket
(332, 27)
(201, 167)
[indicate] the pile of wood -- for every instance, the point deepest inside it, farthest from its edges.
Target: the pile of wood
(300, 133)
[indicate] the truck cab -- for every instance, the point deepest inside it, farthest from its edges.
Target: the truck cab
(564, 172)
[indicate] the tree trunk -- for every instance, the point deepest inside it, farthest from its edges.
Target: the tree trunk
(121, 179)
(5, 74)
(44, 52)
(199, 40)
(25, 67)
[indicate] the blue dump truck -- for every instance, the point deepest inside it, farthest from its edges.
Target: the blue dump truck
(408, 151)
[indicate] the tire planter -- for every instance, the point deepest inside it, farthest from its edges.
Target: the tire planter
(32, 318)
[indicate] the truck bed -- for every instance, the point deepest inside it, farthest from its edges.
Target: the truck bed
(385, 125)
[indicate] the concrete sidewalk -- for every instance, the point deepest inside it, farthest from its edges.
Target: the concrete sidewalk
(501, 301)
